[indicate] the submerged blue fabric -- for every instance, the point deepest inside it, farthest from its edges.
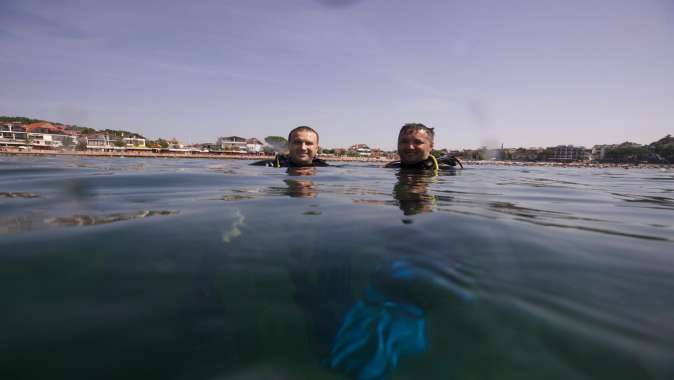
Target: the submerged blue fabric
(374, 334)
(387, 323)
(378, 330)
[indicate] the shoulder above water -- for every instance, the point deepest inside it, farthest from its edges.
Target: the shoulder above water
(444, 162)
(282, 161)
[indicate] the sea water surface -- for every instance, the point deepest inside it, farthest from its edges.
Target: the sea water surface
(214, 269)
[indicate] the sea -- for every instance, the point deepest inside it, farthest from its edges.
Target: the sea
(134, 268)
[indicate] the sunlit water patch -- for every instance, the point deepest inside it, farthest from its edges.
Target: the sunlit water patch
(202, 269)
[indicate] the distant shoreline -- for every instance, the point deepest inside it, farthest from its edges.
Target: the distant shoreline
(352, 159)
(569, 164)
(132, 154)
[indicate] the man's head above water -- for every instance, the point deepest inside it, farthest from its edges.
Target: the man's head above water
(302, 145)
(415, 143)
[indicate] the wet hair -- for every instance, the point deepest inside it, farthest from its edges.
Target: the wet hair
(414, 127)
(300, 129)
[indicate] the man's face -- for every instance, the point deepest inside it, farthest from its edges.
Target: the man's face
(414, 146)
(302, 147)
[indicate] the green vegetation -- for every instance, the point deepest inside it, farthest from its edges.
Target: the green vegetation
(628, 152)
(20, 119)
(159, 143)
(68, 142)
(546, 154)
(661, 151)
(81, 144)
(121, 133)
(271, 140)
(81, 130)
(163, 143)
(664, 148)
(276, 144)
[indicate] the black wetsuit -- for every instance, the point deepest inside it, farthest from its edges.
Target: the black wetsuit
(283, 161)
(444, 162)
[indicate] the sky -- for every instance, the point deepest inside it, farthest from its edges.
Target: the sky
(519, 72)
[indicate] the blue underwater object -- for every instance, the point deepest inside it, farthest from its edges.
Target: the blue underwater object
(374, 334)
(387, 323)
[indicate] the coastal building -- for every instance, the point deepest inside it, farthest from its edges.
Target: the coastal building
(133, 142)
(526, 154)
(391, 155)
(599, 152)
(13, 134)
(376, 152)
(102, 142)
(467, 154)
(174, 144)
(46, 135)
(254, 145)
(361, 150)
(209, 148)
(483, 153)
(568, 153)
(497, 154)
(193, 149)
(233, 144)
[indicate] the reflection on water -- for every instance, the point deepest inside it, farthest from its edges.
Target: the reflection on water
(497, 272)
(300, 188)
(19, 194)
(411, 191)
(656, 201)
(92, 220)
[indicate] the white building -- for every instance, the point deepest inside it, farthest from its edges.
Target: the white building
(47, 135)
(599, 152)
(134, 142)
(102, 142)
(13, 134)
(253, 145)
(233, 144)
(361, 149)
(568, 153)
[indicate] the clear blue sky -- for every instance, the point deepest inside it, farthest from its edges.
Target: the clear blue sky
(518, 72)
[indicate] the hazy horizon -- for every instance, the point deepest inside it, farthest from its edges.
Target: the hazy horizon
(526, 73)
